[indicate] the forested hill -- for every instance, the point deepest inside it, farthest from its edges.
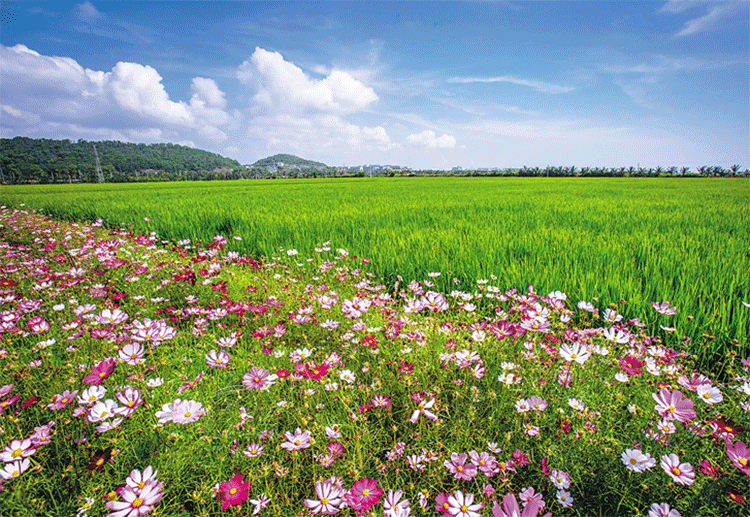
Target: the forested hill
(287, 160)
(33, 160)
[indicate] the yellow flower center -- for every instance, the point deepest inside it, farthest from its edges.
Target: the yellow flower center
(365, 492)
(324, 501)
(743, 462)
(16, 453)
(233, 491)
(464, 508)
(188, 414)
(137, 502)
(676, 471)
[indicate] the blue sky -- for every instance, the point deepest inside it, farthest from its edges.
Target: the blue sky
(419, 84)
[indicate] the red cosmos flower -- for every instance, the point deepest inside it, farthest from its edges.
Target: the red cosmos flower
(631, 365)
(8, 282)
(711, 470)
(741, 499)
(101, 371)
(233, 492)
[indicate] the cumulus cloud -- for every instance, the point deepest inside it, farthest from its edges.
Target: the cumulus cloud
(282, 86)
(430, 140)
(58, 90)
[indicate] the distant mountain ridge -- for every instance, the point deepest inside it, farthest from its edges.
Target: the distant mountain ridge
(287, 159)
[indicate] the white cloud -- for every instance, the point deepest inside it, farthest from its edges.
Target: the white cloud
(130, 97)
(708, 21)
(428, 139)
(138, 88)
(282, 86)
(539, 86)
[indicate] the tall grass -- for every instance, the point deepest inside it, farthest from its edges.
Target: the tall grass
(682, 240)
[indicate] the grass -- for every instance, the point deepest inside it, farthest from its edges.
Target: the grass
(392, 385)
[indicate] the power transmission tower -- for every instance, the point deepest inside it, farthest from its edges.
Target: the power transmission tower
(99, 175)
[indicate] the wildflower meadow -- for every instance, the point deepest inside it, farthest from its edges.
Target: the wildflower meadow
(146, 376)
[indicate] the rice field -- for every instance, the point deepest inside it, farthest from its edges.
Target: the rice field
(624, 241)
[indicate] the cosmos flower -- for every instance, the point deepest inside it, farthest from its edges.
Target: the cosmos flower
(233, 492)
(681, 473)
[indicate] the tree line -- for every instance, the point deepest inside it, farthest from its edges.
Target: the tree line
(34, 160)
(42, 160)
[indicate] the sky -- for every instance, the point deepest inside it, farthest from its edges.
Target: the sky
(418, 84)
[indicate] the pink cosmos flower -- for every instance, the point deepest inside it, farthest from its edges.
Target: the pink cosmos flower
(423, 409)
(137, 480)
(682, 473)
(136, 503)
(393, 506)
(233, 492)
(510, 507)
(671, 405)
(459, 468)
(329, 497)
(42, 434)
(131, 353)
(564, 498)
(485, 462)
(739, 455)
(709, 394)
(253, 450)
(187, 411)
(662, 510)
(460, 505)
(258, 379)
(363, 495)
(111, 317)
(217, 359)
(537, 403)
(17, 450)
(130, 398)
(62, 400)
(664, 308)
(101, 371)
(441, 502)
(296, 441)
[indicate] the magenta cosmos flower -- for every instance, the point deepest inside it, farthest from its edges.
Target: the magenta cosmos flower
(363, 495)
(101, 371)
(671, 405)
(233, 492)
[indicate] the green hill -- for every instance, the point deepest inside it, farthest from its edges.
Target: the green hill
(286, 159)
(43, 160)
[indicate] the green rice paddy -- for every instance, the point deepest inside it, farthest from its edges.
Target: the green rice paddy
(623, 241)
